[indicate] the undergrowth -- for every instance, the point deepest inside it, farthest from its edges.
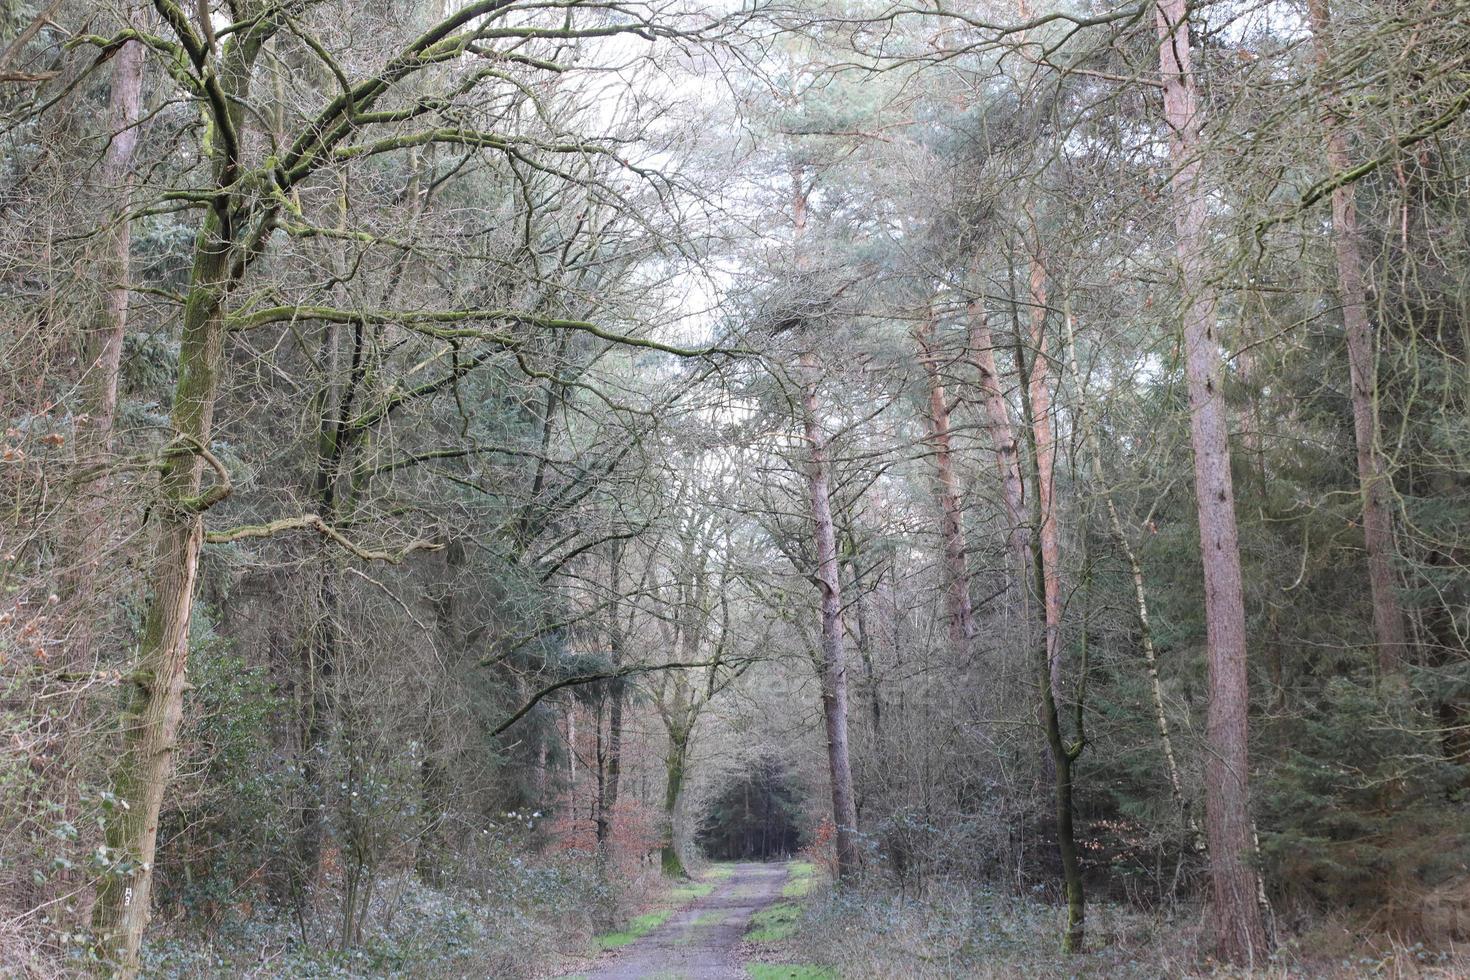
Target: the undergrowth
(533, 914)
(953, 931)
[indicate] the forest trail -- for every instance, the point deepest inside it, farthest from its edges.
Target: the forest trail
(699, 941)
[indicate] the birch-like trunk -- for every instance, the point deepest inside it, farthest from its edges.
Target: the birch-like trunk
(1140, 594)
(1239, 930)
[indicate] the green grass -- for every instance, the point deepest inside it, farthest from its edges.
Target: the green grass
(801, 879)
(789, 971)
(639, 927)
(649, 921)
(773, 924)
(691, 891)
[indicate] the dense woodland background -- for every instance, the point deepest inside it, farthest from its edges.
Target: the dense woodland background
(456, 457)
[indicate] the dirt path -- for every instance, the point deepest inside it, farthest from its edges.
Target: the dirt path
(699, 941)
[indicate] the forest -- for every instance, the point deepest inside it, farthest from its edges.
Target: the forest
(734, 488)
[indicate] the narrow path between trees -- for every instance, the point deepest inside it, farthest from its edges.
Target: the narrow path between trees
(699, 942)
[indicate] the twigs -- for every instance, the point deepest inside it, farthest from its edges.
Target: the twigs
(315, 523)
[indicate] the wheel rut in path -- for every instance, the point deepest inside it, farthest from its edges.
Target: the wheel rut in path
(700, 941)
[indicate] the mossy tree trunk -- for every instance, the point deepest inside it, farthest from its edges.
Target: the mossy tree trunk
(153, 690)
(674, 763)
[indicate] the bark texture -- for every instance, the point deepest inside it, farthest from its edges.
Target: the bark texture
(674, 764)
(1002, 433)
(1239, 929)
(947, 494)
(1373, 483)
(1044, 447)
(153, 691)
(833, 658)
(1063, 754)
(105, 338)
(607, 798)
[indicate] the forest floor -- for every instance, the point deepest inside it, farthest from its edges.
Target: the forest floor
(703, 939)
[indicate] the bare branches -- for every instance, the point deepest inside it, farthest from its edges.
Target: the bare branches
(426, 322)
(594, 678)
(314, 522)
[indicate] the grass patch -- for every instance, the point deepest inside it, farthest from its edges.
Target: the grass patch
(801, 879)
(639, 927)
(718, 872)
(789, 971)
(774, 924)
(691, 891)
(647, 922)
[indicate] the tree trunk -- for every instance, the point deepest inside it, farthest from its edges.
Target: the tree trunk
(1373, 483)
(833, 659)
(674, 762)
(1044, 449)
(322, 651)
(1002, 438)
(865, 652)
(1140, 594)
(614, 765)
(105, 339)
(1239, 930)
(1064, 755)
(1043, 561)
(608, 801)
(153, 692)
(946, 489)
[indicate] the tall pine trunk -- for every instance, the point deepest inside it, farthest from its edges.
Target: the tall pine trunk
(947, 493)
(1002, 432)
(834, 657)
(1373, 483)
(1044, 455)
(1045, 557)
(1239, 930)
